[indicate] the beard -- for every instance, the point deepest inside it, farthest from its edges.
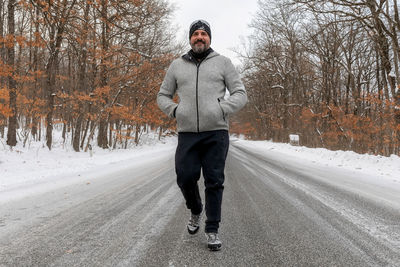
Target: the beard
(199, 47)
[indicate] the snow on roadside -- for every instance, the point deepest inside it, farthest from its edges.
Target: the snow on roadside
(25, 167)
(36, 165)
(378, 166)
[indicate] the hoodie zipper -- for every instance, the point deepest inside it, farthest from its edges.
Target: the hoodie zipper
(197, 96)
(197, 88)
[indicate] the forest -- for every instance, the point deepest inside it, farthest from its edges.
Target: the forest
(326, 70)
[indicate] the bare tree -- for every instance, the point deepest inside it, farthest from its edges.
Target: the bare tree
(90, 67)
(56, 16)
(327, 70)
(12, 84)
(277, 70)
(2, 58)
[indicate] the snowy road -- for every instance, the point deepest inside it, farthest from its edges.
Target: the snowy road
(276, 212)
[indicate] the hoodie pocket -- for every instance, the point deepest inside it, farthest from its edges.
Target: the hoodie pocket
(185, 118)
(222, 111)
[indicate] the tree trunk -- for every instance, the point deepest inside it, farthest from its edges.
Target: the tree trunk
(92, 128)
(128, 135)
(102, 136)
(137, 133)
(397, 120)
(2, 50)
(50, 83)
(56, 35)
(86, 127)
(64, 130)
(82, 81)
(110, 128)
(160, 133)
(12, 84)
(85, 133)
(35, 118)
(77, 134)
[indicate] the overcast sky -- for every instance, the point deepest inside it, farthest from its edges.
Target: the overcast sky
(228, 19)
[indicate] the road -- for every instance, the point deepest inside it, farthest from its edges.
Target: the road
(275, 213)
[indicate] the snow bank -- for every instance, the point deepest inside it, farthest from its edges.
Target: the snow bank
(24, 167)
(35, 166)
(378, 166)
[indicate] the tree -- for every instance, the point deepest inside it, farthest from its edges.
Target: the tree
(82, 80)
(90, 67)
(56, 15)
(12, 84)
(324, 70)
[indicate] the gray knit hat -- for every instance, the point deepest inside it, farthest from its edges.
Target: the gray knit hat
(199, 24)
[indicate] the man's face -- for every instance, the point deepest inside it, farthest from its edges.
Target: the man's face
(200, 41)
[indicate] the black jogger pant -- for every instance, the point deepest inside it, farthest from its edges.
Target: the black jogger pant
(205, 151)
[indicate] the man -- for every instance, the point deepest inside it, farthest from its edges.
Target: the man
(200, 79)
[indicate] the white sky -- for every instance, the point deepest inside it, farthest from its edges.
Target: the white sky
(229, 19)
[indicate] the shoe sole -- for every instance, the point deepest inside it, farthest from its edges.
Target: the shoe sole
(193, 232)
(214, 247)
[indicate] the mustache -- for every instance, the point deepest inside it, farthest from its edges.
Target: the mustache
(199, 41)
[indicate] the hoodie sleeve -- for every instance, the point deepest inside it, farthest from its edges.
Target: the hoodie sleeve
(167, 92)
(238, 95)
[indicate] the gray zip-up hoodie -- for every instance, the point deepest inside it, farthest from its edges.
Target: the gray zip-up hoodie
(201, 90)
